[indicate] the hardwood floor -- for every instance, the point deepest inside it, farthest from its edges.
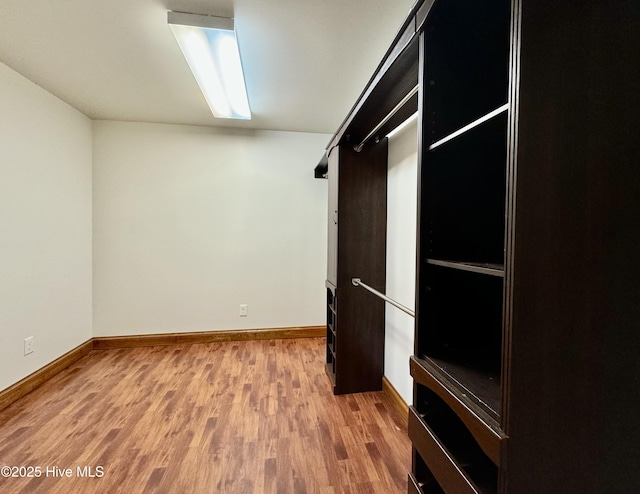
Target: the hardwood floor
(238, 417)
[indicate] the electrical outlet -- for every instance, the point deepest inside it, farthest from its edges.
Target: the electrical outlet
(243, 310)
(28, 345)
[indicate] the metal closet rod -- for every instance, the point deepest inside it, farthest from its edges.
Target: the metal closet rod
(358, 282)
(395, 110)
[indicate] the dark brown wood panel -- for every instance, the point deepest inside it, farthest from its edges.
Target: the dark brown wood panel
(359, 341)
(574, 377)
(356, 249)
(362, 215)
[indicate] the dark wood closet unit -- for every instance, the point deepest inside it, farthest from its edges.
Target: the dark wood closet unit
(525, 368)
(357, 245)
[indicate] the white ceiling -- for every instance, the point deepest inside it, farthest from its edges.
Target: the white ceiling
(305, 61)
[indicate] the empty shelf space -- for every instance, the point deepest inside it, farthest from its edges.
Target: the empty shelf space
(470, 126)
(474, 267)
(464, 192)
(466, 64)
(478, 387)
(460, 330)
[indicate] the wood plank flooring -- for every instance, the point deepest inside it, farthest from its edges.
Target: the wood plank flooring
(238, 417)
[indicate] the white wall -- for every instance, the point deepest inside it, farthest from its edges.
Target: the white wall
(402, 192)
(45, 226)
(191, 222)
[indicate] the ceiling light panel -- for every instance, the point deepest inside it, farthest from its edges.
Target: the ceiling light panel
(210, 46)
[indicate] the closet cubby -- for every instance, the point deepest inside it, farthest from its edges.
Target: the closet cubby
(461, 334)
(463, 206)
(331, 331)
(466, 63)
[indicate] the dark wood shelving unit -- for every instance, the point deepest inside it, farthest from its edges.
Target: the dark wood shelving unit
(463, 149)
(331, 331)
(527, 297)
(357, 246)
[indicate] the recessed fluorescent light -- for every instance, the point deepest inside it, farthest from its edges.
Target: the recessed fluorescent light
(402, 126)
(210, 46)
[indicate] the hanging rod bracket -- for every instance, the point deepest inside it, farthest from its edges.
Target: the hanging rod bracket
(390, 115)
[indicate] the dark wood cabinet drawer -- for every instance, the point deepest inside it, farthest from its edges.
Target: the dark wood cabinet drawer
(459, 469)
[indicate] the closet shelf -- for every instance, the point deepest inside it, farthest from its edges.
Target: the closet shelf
(470, 126)
(474, 267)
(481, 420)
(479, 390)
